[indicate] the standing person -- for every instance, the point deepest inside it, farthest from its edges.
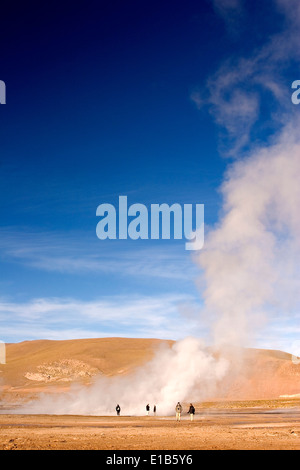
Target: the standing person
(147, 409)
(178, 410)
(191, 412)
(118, 410)
(154, 410)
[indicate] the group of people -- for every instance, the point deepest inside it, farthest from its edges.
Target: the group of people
(178, 410)
(148, 409)
(118, 410)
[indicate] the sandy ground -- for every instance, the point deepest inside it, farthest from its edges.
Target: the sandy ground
(223, 427)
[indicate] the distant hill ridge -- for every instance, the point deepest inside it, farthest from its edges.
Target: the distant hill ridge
(44, 365)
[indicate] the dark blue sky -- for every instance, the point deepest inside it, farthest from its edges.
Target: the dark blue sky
(99, 105)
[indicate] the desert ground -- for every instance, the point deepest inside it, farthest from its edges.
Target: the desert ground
(234, 426)
(259, 409)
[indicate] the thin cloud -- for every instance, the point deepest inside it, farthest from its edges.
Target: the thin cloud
(76, 254)
(235, 92)
(228, 8)
(231, 12)
(138, 316)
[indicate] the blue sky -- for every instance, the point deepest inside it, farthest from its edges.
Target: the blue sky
(107, 99)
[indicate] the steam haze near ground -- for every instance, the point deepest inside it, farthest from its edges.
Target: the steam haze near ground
(88, 375)
(183, 372)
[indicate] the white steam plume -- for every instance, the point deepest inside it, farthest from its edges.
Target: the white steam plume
(251, 259)
(183, 372)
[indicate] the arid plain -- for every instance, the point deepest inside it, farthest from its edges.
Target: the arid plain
(259, 409)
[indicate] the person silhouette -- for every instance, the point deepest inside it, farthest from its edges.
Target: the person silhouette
(178, 410)
(191, 411)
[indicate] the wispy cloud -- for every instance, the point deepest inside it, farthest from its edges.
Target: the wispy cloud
(75, 254)
(235, 92)
(229, 10)
(130, 316)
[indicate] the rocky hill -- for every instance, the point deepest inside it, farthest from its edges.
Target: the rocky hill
(36, 366)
